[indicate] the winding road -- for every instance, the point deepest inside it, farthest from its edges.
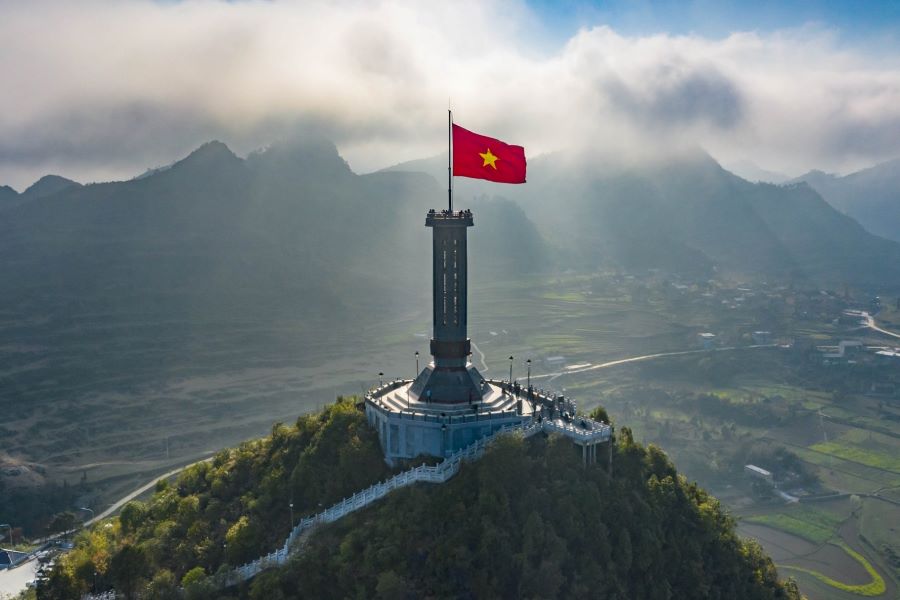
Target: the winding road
(870, 323)
(144, 488)
(622, 361)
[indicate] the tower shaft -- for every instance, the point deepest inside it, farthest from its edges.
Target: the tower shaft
(450, 345)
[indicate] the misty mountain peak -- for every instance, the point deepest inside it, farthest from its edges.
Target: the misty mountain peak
(49, 185)
(301, 154)
(210, 152)
(8, 197)
(814, 176)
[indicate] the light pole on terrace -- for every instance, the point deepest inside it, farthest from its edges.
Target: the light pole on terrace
(417, 365)
(380, 378)
(510, 369)
(292, 514)
(528, 362)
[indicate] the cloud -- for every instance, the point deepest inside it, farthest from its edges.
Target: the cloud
(94, 90)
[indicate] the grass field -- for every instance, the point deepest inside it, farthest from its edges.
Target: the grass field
(863, 447)
(814, 525)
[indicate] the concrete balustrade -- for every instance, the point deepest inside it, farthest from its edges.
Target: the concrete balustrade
(594, 433)
(439, 473)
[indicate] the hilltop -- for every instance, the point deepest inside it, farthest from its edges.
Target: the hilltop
(525, 521)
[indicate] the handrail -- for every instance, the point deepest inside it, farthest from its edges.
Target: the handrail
(438, 473)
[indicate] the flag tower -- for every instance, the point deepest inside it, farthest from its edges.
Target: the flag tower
(449, 405)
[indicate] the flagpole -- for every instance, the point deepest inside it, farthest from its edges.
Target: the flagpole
(450, 159)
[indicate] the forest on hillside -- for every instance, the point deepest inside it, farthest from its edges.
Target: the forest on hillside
(527, 521)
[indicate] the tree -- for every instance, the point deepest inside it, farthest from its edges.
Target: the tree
(600, 414)
(164, 586)
(132, 516)
(266, 586)
(62, 522)
(197, 585)
(58, 586)
(127, 568)
(391, 586)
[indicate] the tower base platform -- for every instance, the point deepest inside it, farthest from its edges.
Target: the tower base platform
(409, 427)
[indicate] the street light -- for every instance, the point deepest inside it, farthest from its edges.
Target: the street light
(510, 370)
(417, 364)
(292, 514)
(380, 378)
(529, 373)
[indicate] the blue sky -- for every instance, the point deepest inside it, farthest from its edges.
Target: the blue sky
(859, 21)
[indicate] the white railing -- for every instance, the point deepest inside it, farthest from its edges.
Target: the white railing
(594, 433)
(438, 473)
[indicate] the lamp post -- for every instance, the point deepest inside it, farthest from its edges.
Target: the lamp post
(417, 365)
(510, 369)
(380, 378)
(292, 514)
(528, 362)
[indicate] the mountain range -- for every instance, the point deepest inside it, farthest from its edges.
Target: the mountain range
(686, 214)
(291, 231)
(871, 196)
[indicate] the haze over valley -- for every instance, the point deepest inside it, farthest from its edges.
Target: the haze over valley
(212, 232)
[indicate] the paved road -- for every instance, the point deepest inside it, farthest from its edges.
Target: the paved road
(870, 323)
(12, 581)
(144, 488)
(622, 361)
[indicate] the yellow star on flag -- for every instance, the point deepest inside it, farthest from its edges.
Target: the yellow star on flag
(489, 159)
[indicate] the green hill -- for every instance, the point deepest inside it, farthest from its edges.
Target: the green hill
(527, 521)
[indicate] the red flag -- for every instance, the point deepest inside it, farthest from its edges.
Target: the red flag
(482, 157)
